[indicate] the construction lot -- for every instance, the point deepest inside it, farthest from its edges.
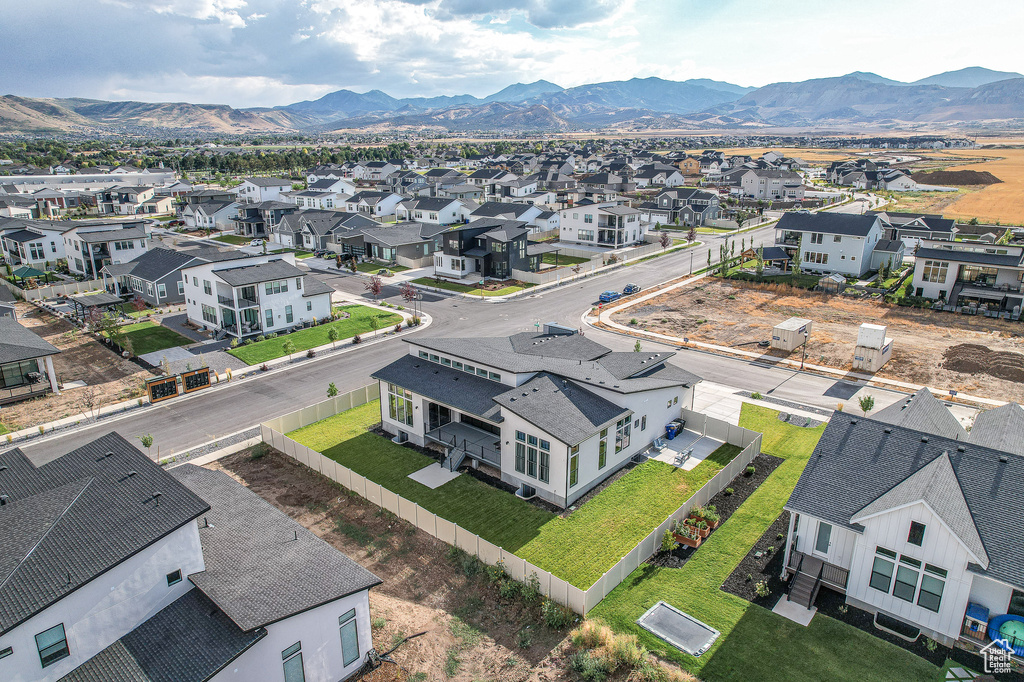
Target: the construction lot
(975, 355)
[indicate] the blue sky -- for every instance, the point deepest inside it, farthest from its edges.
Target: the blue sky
(273, 52)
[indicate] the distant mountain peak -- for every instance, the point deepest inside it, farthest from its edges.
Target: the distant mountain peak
(519, 92)
(970, 77)
(872, 78)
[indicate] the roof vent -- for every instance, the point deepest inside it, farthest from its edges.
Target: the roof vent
(1004, 459)
(512, 399)
(924, 439)
(3, 467)
(3, 500)
(853, 422)
(156, 496)
(109, 454)
(887, 430)
(961, 448)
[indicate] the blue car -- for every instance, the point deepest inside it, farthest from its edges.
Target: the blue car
(630, 289)
(609, 296)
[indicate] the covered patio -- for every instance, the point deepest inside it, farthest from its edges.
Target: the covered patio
(103, 301)
(476, 443)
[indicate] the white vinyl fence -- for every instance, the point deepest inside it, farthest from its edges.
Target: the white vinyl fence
(581, 601)
(64, 289)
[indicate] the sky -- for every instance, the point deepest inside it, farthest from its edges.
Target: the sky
(249, 53)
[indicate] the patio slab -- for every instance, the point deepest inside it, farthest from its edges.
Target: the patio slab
(702, 446)
(433, 476)
(172, 354)
(794, 612)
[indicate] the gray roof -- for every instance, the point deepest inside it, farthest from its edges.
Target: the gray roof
(311, 286)
(18, 343)
(430, 203)
(1001, 428)
(116, 234)
(567, 411)
(189, 640)
(458, 389)
(1004, 260)
(75, 517)
(493, 209)
(403, 233)
(6, 295)
(828, 222)
(922, 411)
(858, 460)
(269, 182)
(889, 245)
(156, 264)
(244, 275)
(261, 566)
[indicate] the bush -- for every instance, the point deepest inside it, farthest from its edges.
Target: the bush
(589, 666)
(531, 590)
(260, 338)
(761, 588)
(591, 635)
(525, 638)
(310, 353)
(750, 470)
(509, 588)
(356, 339)
(756, 395)
(398, 327)
(668, 541)
(259, 451)
(729, 491)
(556, 616)
(247, 342)
(633, 321)
(779, 536)
(495, 573)
(233, 343)
(272, 335)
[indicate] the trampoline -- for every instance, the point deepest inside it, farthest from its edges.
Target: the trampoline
(679, 629)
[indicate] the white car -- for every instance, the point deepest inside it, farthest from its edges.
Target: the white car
(256, 242)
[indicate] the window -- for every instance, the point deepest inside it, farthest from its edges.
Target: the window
(456, 364)
(934, 271)
(288, 314)
(349, 638)
(52, 645)
(602, 449)
(481, 372)
(916, 535)
(622, 429)
(588, 217)
(470, 368)
(209, 313)
(270, 317)
(309, 306)
(817, 238)
(643, 423)
(586, 235)
(424, 355)
(207, 289)
(494, 376)
(930, 595)
(545, 461)
(195, 281)
(881, 574)
(574, 465)
(906, 581)
(292, 657)
(298, 283)
(181, 288)
(161, 291)
(434, 358)
(520, 452)
(838, 238)
(675, 400)
(446, 362)
(6, 651)
(531, 456)
(174, 578)
(400, 404)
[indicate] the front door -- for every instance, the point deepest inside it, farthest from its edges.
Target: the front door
(824, 538)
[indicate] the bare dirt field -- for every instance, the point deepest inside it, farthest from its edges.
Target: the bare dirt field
(108, 378)
(976, 355)
(472, 633)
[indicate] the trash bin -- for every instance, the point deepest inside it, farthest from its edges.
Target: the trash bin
(671, 430)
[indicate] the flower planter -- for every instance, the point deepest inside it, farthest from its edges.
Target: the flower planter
(703, 532)
(688, 541)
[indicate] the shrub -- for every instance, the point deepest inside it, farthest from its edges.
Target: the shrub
(233, 343)
(525, 638)
(589, 666)
(378, 622)
(272, 335)
(415, 321)
(591, 635)
(556, 616)
(779, 536)
(750, 470)
(264, 367)
(668, 541)
(930, 644)
(756, 395)
(495, 573)
(508, 588)
(626, 652)
(531, 590)
(356, 339)
(259, 451)
(761, 588)
(247, 342)
(310, 353)
(260, 338)
(633, 321)
(729, 491)
(398, 327)
(749, 577)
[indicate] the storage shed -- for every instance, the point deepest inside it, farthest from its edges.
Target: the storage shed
(874, 348)
(789, 335)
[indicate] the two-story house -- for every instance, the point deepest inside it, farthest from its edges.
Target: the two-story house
(552, 413)
(486, 248)
(155, 276)
(438, 210)
(90, 246)
(256, 190)
(828, 242)
(259, 220)
(969, 274)
(117, 569)
(781, 185)
(602, 224)
(210, 215)
(376, 205)
(687, 205)
(37, 243)
(254, 295)
(912, 523)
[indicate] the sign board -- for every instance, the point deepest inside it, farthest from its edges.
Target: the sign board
(196, 380)
(162, 388)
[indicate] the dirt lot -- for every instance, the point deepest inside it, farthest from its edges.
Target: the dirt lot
(975, 355)
(108, 378)
(472, 633)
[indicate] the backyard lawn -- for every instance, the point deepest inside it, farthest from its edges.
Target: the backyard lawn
(147, 337)
(578, 549)
(755, 643)
(470, 289)
(237, 240)
(358, 322)
(549, 259)
(374, 267)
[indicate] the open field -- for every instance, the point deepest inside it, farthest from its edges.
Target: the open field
(970, 354)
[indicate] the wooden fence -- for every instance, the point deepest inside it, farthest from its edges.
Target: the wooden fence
(581, 601)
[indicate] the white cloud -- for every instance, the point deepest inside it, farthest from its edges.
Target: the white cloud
(224, 12)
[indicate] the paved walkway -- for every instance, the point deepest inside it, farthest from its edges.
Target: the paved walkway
(433, 476)
(794, 612)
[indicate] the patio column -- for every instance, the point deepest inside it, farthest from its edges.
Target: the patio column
(52, 375)
(789, 543)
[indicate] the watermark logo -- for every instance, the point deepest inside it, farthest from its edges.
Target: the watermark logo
(997, 656)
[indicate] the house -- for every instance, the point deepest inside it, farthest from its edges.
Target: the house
(463, 190)
(486, 248)
(604, 224)
(16, 207)
(828, 242)
(441, 211)
(1000, 428)
(90, 246)
(8, 302)
(332, 186)
(687, 205)
(26, 364)
(133, 200)
(689, 165)
(323, 201)
(37, 243)
(376, 205)
(261, 219)
(907, 523)
(155, 276)
(256, 190)
(407, 241)
(911, 228)
(200, 195)
(117, 569)
(210, 215)
(333, 171)
(254, 295)
(536, 218)
(551, 413)
(768, 184)
(316, 229)
(518, 187)
(968, 274)
(658, 175)
(373, 171)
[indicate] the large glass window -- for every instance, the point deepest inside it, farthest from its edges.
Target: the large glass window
(52, 645)
(15, 373)
(544, 472)
(881, 574)
(574, 465)
(930, 595)
(349, 638)
(531, 456)
(400, 404)
(622, 429)
(934, 271)
(270, 317)
(288, 317)
(602, 450)
(292, 657)
(906, 582)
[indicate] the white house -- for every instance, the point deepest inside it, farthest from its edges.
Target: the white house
(26, 360)
(770, 184)
(553, 413)
(603, 224)
(439, 211)
(90, 246)
(374, 205)
(117, 569)
(909, 519)
(827, 242)
(38, 243)
(210, 215)
(255, 190)
(965, 273)
(258, 295)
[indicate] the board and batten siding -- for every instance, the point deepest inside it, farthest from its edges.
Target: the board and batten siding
(841, 546)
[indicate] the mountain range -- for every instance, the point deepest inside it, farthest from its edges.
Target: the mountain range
(858, 98)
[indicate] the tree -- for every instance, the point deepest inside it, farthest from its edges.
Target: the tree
(867, 403)
(709, 259)
(147, 442)
(691, 234)
(636, 347)
(288, 347)
(333, 335)
(332, 390)
(374, 324)
(665, 240)
(374, 286)
(759, 261)
(732, 249)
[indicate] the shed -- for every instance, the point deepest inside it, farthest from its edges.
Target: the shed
(790, 334)
(832, 284)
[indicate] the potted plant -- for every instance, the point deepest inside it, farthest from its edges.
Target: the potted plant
(702, 528)
(698, 512)
(712, 518)
(689, 536)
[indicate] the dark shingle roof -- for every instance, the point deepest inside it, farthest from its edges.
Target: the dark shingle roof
(311, 286)
(828, 223)
(1001, 428)
(857, 462)
(1004, 260)
(261, 566)
(923, 412)
(889, 245)
(116, 234)
(158, 263)
(456, 388)
(18, 343)
(244, 275)
(73, 518)
(567, 411)
(493, 209)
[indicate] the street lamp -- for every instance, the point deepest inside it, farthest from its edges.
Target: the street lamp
(804, 357)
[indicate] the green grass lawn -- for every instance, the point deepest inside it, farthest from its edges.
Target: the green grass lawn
(237, 240)
(374, 267)
(549, 259)
(147, 337)
(468, 289)
(299, 253)
(358, 323)
(755, 643)
(578, 549)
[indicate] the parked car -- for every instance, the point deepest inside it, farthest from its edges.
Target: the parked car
(609, 296)
(384, 272)
(319, 253)
(175, 223)
(630, 289)
(256, 242)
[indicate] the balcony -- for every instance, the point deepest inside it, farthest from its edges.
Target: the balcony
(23, 392)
